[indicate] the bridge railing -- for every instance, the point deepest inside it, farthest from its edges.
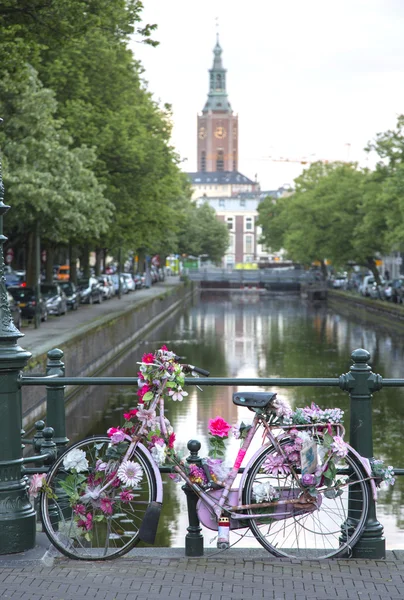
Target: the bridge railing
(360, 383)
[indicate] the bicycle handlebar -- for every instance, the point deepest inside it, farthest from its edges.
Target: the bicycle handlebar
(199, 370)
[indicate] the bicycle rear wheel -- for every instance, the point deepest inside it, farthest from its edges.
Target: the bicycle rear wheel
(83, 521)
(327, 529)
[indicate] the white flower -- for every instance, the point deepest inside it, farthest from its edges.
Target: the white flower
(76, 459)
(130, 473)
(177, 394)
(158, 453)
(146, 416)
(264, 492)
(282, 407)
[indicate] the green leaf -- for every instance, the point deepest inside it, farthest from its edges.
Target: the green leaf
(148, 396)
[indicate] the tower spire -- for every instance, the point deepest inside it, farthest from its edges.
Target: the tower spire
(217, 96)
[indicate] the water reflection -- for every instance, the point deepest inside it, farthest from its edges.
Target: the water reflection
(252, 336)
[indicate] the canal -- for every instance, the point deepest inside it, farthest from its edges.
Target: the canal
(247, 335)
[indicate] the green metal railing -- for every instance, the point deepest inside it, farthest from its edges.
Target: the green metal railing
(360, 382)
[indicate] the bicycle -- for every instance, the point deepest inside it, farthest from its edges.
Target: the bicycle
(304, 494)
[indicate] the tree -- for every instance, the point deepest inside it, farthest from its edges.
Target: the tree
(203, 234)
(51, 187)
(331, 216)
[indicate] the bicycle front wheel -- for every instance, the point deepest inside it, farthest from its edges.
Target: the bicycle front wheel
(328, 528)
(88, 512)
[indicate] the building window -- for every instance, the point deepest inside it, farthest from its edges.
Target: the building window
(220, 160)
(242, 202)
(221, 202)
(232, 245)
(230, 223)
(248, 244)
(218, 81)
(234, 160)
(203, 161)
(248, 223)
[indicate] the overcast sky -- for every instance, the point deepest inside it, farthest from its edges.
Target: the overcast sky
(306, 77)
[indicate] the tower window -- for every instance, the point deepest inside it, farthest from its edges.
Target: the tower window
(203, 161)
(234, 160)
(218, 81)
(220, 160)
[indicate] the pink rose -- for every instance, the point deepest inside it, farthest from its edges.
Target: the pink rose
(219, 427)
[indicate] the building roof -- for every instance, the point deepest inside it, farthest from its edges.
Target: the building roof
(219, 178)
(217, 100)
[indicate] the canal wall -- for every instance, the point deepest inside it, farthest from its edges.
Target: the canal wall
(378, 313)
(100, 343)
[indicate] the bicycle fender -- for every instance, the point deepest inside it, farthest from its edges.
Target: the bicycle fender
(247, 470)
(365, 462)
(156, 471)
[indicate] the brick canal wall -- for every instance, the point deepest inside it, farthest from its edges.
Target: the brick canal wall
(100, 343)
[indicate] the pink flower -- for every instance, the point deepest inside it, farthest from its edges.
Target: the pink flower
(219, 427)
(171, 440)
(130, 414)
(86, 524)
(276, 465)
(119, 436)
(79, 509)
(339, 446)
(164, 348)
(112, 430)
(106, 505)
(308, 479)
(36, 484)
(143, 390)
(126, 496)
(148, 358)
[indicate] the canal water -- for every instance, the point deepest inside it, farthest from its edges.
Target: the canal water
(248, 335)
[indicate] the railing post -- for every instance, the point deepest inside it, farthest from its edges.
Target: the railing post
(55, 400)
(360, 382)
(17, 515)
(194, 537)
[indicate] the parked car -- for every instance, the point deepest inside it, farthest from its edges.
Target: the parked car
(14, 279)
(15, 310)
(397, 291)
(139, 280)
(27, 301)
(339, 282)
(365, 286)
(107, 287)
(388, 290)
(73, 296)
(55, 298)
(90, 291)
(115, 280)
(376, 291)
(130, 284)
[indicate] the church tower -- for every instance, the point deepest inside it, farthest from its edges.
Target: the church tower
(217, 126)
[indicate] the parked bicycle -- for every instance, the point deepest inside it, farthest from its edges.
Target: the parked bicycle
(304, 494)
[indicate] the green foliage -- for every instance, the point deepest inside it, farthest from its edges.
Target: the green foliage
(202, 233)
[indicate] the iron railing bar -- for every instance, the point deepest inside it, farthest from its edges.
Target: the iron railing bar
(211, 381)
(205, 381)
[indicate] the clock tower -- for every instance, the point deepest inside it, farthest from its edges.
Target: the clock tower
(217, 126)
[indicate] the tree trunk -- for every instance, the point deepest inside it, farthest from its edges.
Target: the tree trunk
(85, 261)
(73, 263)
(371, 265)
(50, 259)
(98, 252)
(30, 270)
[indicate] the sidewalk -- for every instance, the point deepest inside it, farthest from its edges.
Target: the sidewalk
(149, 573)
(55, 332)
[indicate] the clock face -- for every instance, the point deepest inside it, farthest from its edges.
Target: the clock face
(202, 133)
(220, 132)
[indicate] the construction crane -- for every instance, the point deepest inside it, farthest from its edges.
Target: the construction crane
(308, 160)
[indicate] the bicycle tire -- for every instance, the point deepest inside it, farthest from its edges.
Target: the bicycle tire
(118, 532)
(325, 532)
